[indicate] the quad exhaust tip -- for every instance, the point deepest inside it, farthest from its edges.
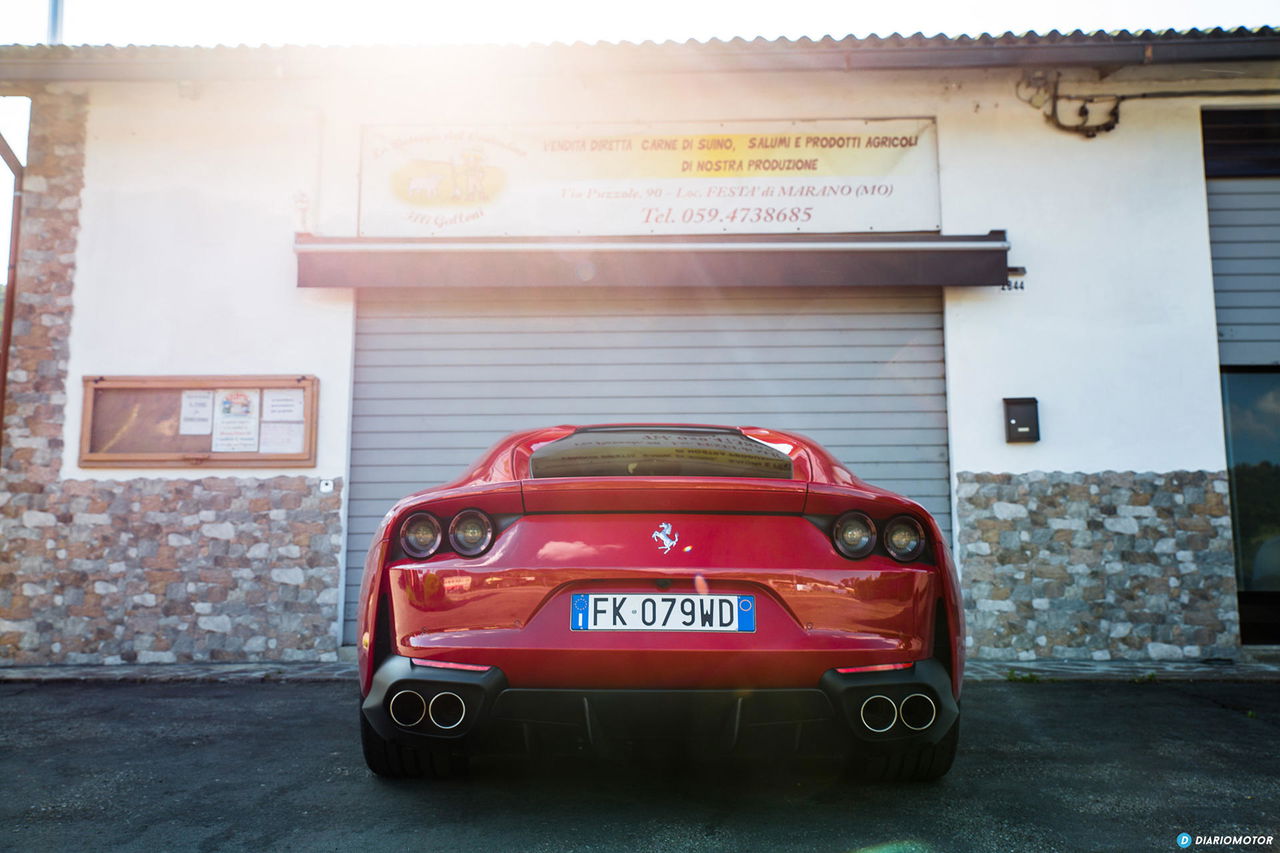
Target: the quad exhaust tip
(409, 708)
(918, 712)
(879, 713)
(447, 710)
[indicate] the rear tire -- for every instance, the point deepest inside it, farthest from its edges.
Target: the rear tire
(392, 760)
(923, 764)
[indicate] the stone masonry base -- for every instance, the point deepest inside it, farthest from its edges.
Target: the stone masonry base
(1104, 566)
(170, 571)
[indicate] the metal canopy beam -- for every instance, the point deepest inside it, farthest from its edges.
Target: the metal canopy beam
(765, 261)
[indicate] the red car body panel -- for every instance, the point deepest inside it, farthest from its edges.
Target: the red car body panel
(509, 607)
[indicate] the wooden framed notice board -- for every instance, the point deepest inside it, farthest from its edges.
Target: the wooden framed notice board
(189, 421)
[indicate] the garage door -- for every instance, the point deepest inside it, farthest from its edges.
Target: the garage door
(1244, 227)
(439, 377)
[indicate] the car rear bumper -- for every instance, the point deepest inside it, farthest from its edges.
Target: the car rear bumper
(478, 711)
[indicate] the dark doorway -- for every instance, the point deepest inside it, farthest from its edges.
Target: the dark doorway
(1251, 403)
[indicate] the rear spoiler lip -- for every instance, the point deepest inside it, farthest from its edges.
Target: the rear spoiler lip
(664, 494)
(657, 494)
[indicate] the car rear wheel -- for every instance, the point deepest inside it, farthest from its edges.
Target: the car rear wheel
(397, 761)
(922, 764)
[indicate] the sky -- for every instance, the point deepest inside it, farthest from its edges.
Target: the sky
(191, 22)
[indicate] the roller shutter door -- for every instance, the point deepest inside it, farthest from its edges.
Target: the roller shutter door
(440, 376)
(1244, 230)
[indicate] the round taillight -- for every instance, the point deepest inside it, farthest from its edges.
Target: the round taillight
(854, 534)
(904, 539)
(420, 535)
(471, 533)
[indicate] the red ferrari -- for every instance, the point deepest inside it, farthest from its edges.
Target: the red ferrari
(593, 588)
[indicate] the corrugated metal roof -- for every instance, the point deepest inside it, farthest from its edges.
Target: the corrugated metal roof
(1054, 48)
(918, 39)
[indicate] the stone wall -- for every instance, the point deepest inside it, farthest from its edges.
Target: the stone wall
(164, 571)
(1103, 566)
(142, 570)
(31, 455)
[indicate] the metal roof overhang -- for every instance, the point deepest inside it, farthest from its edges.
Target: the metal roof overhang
(788, 260)
(1100, 50)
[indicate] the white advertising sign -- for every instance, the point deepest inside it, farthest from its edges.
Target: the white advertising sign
(591, 180)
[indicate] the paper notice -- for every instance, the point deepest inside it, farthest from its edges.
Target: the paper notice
(235, 420)
(281, 437)
(283, 404)
(197, 413)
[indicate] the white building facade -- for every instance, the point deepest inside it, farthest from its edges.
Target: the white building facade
(200, 213)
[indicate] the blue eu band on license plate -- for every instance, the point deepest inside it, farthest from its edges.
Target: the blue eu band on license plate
(658, 612)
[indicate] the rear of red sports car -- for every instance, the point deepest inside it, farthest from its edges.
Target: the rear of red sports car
(592, 588)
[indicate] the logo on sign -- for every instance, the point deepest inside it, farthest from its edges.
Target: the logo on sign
(466, 178)
(664, 537)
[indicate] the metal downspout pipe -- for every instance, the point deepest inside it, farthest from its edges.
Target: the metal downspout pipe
(11, 281)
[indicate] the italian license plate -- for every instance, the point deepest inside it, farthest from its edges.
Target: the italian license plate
(644, 612)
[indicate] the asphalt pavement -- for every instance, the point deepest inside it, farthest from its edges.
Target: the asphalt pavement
(262, 766)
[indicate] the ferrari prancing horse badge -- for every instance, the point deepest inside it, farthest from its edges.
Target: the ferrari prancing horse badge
(664, 537)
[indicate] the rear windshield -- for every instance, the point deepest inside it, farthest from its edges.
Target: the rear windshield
(659, 453)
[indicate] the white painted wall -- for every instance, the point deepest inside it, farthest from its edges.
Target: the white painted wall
(1115, 331)
(185, 262)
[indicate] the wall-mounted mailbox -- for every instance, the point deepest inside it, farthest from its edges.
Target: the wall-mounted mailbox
(1021, 419)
